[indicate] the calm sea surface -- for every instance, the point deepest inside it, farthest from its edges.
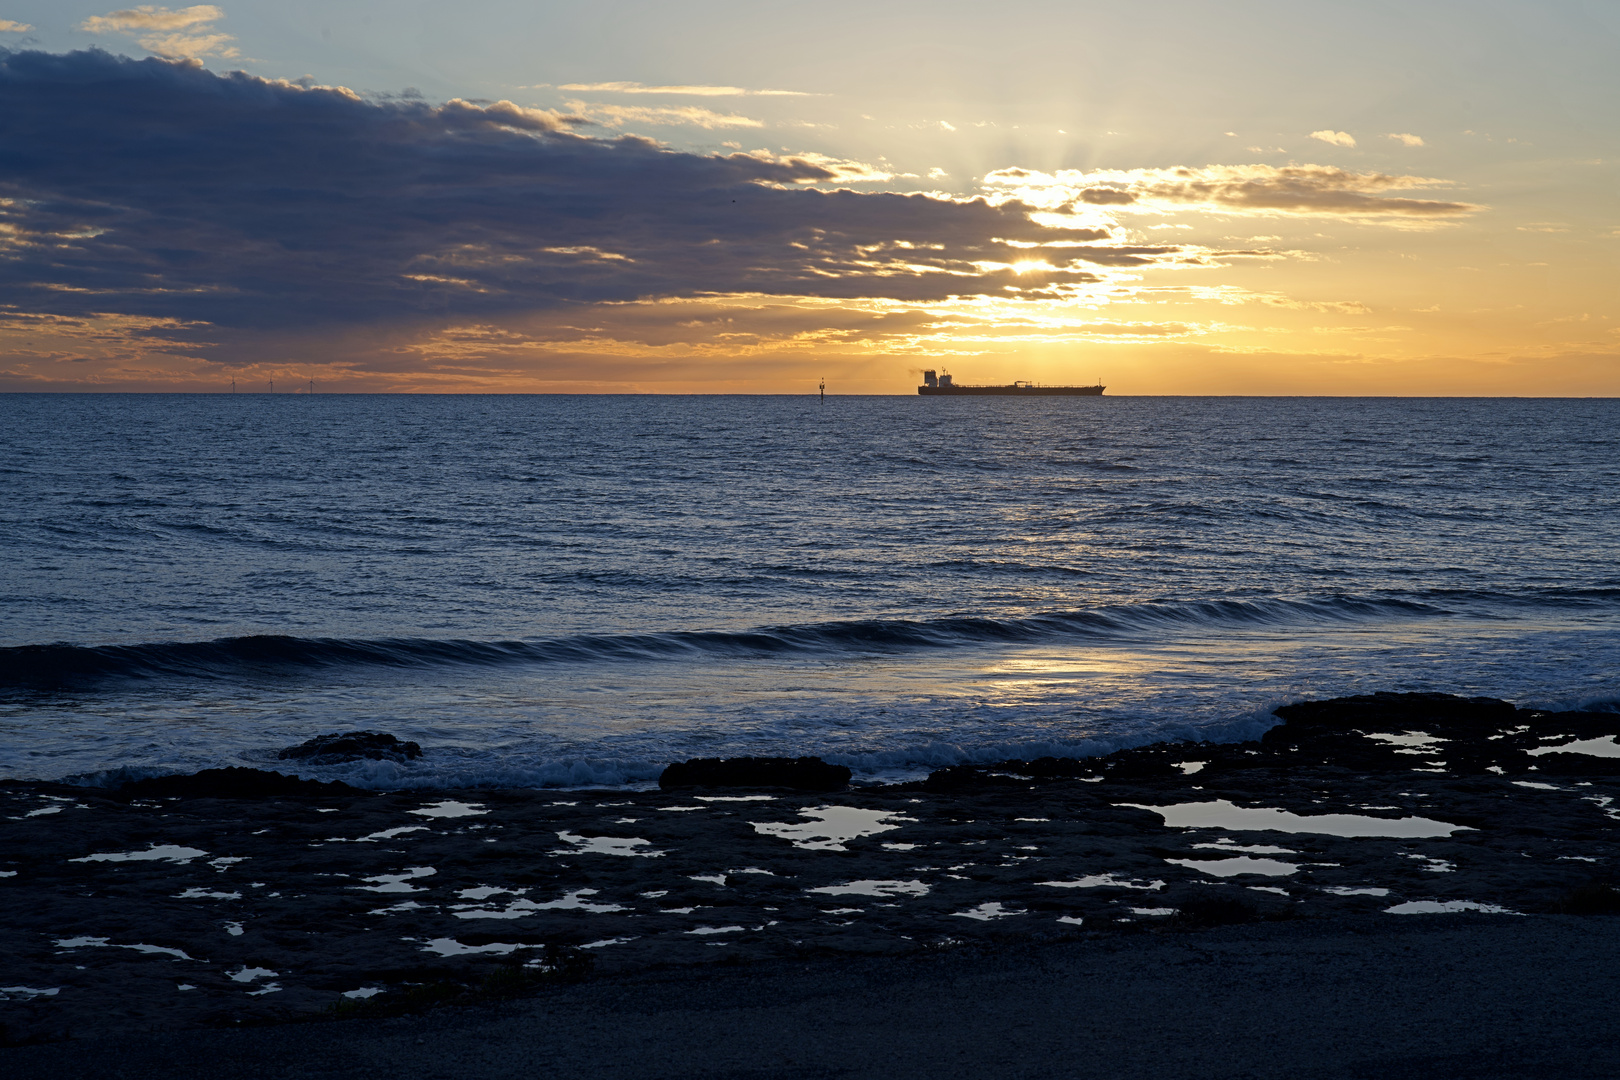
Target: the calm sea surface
(566, 590)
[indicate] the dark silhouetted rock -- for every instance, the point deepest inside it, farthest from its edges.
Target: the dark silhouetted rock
(233, 783)
(352, 746)
(1214, 911)
(799, 774)
(1437, 713)
(1598, 898)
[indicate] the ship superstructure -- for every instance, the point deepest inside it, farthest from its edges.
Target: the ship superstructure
(941, 385)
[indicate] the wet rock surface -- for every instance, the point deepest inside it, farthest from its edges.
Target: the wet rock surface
(796, 774)
(232, 783)
(126, 912)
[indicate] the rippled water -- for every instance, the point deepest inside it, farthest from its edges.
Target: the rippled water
(581, 589)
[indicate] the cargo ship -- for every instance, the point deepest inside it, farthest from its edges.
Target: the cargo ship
(942, 386)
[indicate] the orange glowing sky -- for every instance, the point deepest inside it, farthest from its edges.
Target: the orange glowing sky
(719, 197)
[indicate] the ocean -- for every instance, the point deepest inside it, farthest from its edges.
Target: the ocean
(577, 590)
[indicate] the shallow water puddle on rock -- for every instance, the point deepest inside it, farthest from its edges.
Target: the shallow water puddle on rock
(1225, 844)
(517, 909)
(1153, 911)
(605, 942)
(1243, 864)
(1097, 881)
(449, 808)
(372, 838)
(204, 894)
(609, 845)
(363, 993)
(249, 974)
(1537, 785)
(705, 930)
(233, 928)
(1224, 814)
(397, 882)
(1350, 890)
(1607, 747)
(484, 892)
(1446, 907)
(1409, 742)
(1435, 866)
(396, 909)
(451, 947)
(103, 943)
(735, 798)
(989, 912)
(27, 993)
(156, 853)
(874, 888)
(831, 827)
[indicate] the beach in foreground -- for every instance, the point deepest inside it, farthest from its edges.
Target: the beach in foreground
(1451, 997)
(199, 903)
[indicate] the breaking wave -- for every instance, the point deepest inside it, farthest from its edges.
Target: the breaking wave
(66, 665)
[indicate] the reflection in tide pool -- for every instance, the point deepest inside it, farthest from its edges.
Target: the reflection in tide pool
(1446, 907)
(1606, 747)
(1243, 864)
(831, 827)
(874, 888)
(1223, 814)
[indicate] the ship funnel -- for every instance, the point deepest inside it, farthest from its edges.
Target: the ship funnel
(929, 379)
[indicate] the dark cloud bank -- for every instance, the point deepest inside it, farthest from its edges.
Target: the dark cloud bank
(159, 188)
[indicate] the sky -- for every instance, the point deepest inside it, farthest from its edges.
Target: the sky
(749, 197)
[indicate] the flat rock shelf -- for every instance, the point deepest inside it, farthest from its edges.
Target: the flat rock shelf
(126, 911)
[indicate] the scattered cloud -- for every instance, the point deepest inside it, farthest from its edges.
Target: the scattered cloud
(183, 32)
(1297, 190)
(229, 206)
(619, 116)
(12, 26)
(1406, 138)
(836, 170)
(684, 90)
(1334, 138)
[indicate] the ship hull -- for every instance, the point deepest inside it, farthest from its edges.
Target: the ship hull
(1010, 391)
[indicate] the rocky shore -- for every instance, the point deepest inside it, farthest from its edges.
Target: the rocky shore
(239, 897)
